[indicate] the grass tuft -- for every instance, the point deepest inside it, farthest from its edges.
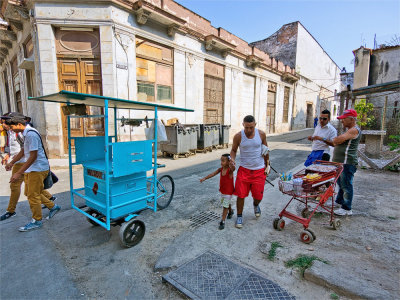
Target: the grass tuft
(334, 296)
(272, 251)
(392, 218)
(303, 262)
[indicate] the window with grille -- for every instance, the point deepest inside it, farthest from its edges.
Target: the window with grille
(285, 105)
(154, 72)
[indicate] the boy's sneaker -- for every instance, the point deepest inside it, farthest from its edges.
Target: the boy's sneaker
(221, 225)
(343, 212)
(239, 222)
(230, 214)
(257, 211)
(7, 215)
(53, 198)
(31, 225)
(53, 211)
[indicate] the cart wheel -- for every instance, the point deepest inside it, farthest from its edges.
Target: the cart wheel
(280, 224)
(305, 213)
(306, 237)
(275, 223)
(165, 191)
(131, 233)
(336, 224)
(94, 214)
(175, 156)
(312, 233)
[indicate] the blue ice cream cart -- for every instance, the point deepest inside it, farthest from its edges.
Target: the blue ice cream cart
(116, 185)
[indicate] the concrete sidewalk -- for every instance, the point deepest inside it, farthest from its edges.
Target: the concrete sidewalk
(362, 255)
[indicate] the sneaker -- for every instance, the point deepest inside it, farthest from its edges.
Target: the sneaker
(31, 225)
(7, 215)
(230, 214)
(343, 212)
(53, 198)
(239, 222)
(221, 225)
(257, 211)
(53, 211)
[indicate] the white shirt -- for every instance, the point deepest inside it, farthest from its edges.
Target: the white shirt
(15, 140)
(250, 152)
(33, 142)
(329, 132)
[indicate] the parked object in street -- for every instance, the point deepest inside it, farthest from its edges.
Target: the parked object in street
(224, 136)
(181, 140)
(116, 186)
(313, 186)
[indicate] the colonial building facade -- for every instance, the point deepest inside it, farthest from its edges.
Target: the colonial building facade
(156, 51)
(319, 76)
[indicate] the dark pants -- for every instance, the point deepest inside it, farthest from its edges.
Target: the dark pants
(345, 181)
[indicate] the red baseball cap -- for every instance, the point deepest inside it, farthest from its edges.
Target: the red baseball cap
(348, 113)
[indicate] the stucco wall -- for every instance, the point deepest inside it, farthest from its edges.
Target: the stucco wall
(384, 66)
(118, 30)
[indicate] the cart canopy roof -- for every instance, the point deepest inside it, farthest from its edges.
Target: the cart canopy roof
(95, 100)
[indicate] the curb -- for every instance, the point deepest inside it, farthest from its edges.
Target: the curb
(339, 281)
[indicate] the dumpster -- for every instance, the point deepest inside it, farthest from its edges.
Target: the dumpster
(192, 131)
(215, 132)
(179, 141)
(224, 136)
(205, 138)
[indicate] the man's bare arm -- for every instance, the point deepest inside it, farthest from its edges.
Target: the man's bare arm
(263, 137)
(235, 145)
(348, 135)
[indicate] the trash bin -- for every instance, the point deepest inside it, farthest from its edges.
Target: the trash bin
(224, 136)
(205, 138)
(178, 141)
(215, 132)
(192, 131)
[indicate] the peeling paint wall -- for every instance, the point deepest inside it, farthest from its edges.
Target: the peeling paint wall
(384, 66)
(118, 30)
(282, 44)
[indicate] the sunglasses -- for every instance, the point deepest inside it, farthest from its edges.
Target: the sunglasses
(323, 118)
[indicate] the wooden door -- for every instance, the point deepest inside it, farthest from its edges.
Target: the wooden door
(271, 104)
(213, 100)
(82, 76)
(270, 118)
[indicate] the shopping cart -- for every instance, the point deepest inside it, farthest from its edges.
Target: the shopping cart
(317, 193)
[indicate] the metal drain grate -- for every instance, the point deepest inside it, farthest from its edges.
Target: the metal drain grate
(212, 276)
(203, 218)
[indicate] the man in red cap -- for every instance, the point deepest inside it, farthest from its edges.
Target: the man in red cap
(345, 152)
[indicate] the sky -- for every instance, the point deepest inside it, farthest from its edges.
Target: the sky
(339, 26)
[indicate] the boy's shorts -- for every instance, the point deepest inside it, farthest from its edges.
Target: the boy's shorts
(226, 200)
(250, 180)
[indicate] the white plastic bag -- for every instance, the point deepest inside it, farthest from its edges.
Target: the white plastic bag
(161, 133)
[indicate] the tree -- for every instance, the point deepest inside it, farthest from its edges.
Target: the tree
(364, 111)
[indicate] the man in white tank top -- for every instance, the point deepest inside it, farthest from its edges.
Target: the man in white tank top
(254, 167)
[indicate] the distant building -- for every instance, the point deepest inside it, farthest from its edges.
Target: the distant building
(156, 51)
(319, 75)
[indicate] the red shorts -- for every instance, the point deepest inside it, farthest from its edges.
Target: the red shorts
(250, 180)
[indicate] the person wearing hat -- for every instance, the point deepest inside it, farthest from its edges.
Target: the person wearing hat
(345, 152)
(35, 169)
(16, 143)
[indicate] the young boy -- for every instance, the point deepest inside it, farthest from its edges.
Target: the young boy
(226, 187)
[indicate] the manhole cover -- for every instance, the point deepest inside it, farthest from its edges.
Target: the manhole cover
(212, 276)
(203, 218)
